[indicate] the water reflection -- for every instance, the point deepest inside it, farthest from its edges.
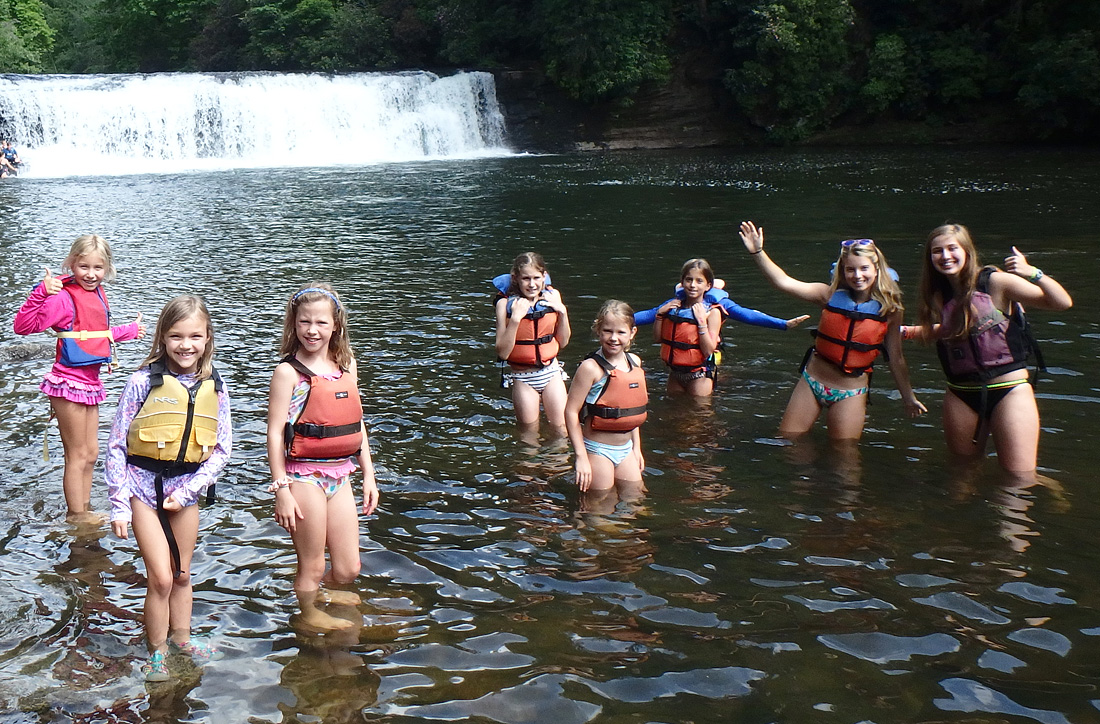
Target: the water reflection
(765, 581)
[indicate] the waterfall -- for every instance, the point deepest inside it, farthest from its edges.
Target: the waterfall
(168, 122)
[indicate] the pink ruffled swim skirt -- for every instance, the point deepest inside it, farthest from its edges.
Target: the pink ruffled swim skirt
(73, 391)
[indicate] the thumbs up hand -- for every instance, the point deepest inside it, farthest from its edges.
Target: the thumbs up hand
(140, 327)
(50, 283)
(1015, 263)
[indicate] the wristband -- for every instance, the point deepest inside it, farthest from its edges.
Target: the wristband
(277, 485)
(758, 251)
(1036, 276)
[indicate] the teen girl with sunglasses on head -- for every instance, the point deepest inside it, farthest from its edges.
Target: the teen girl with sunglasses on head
(861, 317)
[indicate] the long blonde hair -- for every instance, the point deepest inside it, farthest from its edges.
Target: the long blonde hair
(90, 244)
(176, 310)
(885, 290)
(339, 346)
(935, 288)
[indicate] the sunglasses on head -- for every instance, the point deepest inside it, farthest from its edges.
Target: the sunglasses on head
(857, 242)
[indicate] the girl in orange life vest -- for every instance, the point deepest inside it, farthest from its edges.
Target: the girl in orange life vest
(532, 327)
(175, 390)
(314, 432)
(970, 312)
(689, 331)
(606, 405)
(861, 316)
(72, 305)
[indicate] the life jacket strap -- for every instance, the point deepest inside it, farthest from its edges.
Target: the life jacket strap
(614, 413)
(309, 429)
(83, 334)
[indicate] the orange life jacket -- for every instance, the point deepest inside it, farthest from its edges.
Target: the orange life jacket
(680, 339)
(536, 343)
(330, 426)
(621, 405)
(88, 340)
(850, 335)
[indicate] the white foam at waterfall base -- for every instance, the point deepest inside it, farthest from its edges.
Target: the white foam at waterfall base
(164, 123)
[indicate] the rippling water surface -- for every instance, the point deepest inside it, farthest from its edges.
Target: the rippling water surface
(755, 582)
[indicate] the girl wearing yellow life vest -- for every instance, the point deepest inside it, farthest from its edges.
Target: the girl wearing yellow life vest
(315, 434)
(170, 439)
(861, 316)
(606, 405)
(532, 326)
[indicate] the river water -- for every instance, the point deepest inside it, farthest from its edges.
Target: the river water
(755, 582)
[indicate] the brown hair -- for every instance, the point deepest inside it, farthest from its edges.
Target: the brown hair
(702, 265)
(176, 310)
(935, 288)
(527, 258)
(339, 347)
(90, 244)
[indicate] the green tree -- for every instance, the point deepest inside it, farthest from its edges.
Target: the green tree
(25, 36)
(796, 77)
(598, 49)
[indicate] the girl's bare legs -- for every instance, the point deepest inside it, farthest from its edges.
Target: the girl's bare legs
(801, 413)
(310, 536)
(1015, 427)
(553, 402)
(168, 599)
(79, 426)
(525, 400)
(845, 417)
(1014, 424)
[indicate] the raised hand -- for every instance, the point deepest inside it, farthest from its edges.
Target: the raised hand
(140, 326)
(752, 237)
(1017, 264)
(50, 283)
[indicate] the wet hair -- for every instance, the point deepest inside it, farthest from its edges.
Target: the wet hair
(175, 311)
(339, 347)
(935, 288)
(702, 265)
(614, 310)
(885, 290)
(90, 244)
(526, 259)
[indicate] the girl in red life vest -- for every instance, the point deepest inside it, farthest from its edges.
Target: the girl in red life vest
(606, 406)
(76, 308)
(315, 433)
(974, 316)
(532, 327)
(861, 316)
(171, 437)
(689, 331)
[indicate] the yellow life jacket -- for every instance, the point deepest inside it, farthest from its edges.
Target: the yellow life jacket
(176, 428)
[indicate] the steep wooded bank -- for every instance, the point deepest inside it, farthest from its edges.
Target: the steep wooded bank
(636, 72)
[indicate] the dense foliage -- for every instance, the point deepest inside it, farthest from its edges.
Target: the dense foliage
(791, 67)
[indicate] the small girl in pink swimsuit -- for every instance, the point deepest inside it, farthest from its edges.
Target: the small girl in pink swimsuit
(76, 308)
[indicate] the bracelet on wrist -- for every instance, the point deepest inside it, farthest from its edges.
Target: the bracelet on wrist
(1035, 276)
(758, 251)
(277, 485)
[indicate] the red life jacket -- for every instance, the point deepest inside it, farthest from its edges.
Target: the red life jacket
(850, 334)
(330, 426)
(621, 405)
(994, 344)
(88, 340)
(680, 339)
(536, 343)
